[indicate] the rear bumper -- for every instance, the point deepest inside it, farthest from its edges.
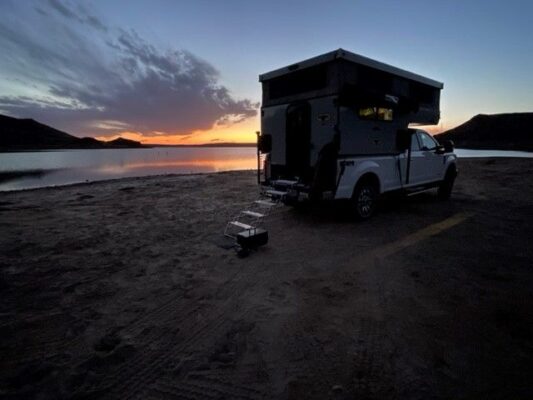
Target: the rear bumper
(295, 195)
(292, 190)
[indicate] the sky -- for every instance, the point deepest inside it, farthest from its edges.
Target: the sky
(163, 71)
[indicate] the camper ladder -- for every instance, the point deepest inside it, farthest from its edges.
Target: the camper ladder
(252, 218)
(247, 227)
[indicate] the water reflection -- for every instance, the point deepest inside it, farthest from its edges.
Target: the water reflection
(467, 153)
(14, 175)
(211, 165)
(49, 168)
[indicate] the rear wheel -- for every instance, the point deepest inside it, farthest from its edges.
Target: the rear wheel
(445, 188)
(364, 200)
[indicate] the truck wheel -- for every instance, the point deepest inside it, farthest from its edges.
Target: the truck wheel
(364, 200)
(445, 188)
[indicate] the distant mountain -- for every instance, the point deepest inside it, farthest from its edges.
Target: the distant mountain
(121, 142)
(497, 131)
(28, 134)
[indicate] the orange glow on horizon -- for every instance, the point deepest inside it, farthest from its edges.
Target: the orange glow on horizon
(215, 164)
(431, 129)
(444, 125)
(242, 132)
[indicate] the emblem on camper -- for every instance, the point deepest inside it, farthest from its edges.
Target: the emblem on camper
(324, 118)
(391, 99)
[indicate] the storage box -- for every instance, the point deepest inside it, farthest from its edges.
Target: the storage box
(250, 239)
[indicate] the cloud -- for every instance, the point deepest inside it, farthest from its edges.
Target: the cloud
(81, 15)
(95, 80)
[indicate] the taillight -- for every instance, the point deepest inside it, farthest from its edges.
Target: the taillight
(266, 167)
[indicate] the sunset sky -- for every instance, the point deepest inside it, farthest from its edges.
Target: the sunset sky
(187, 71)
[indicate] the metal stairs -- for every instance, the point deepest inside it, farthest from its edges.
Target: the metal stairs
(252, 218)
(247, 227)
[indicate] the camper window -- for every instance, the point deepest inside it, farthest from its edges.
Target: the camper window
(373, 113)
(384, 114)
(367, 113)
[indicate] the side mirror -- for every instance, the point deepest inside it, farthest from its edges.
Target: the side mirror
(440, 149)
(448, 146)
(264, 143)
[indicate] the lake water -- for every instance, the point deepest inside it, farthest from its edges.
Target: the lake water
(27, 170)
(467, 153)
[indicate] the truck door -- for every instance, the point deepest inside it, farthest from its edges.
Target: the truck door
(298, 137)
(416, 170)
(433, 162)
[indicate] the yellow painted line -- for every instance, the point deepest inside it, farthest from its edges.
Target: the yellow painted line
(422, 234)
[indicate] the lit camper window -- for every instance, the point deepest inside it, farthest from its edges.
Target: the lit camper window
(384, 114)
(367, 113)
(375, 113)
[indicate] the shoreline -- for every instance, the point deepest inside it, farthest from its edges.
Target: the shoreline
(117, 180)
(21, 173)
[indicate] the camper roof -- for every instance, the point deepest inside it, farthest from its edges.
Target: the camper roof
(352, 57)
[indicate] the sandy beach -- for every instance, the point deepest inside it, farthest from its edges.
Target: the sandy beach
(126, 290)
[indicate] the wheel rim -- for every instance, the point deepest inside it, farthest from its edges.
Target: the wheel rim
(365, 202)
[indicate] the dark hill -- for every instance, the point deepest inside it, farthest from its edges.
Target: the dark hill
(121, 142)
(497, 131)
(28, 134)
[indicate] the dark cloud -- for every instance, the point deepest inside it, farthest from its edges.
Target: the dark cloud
(105, 80)
(79, 15)
(61, 8)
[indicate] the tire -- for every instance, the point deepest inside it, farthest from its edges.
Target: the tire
(364, 201)
(445, 188)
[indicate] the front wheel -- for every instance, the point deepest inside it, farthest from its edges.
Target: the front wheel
(364, 201)
(445, 188)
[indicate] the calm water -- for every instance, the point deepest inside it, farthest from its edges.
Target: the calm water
(467, 153)
(49, 168)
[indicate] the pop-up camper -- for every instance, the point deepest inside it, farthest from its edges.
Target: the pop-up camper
(332, 120)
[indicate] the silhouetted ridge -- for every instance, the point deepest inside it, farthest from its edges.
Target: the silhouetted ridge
(28, 134)
(497, 131)
(121, 142)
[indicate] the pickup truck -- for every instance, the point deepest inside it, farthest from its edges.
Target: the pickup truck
(424, 164)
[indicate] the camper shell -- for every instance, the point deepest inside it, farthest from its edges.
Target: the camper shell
(336, 126)
(334, 107)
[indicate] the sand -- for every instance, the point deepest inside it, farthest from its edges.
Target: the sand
(124, 290)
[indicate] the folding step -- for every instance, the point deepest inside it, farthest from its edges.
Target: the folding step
(283, 182)
(251, 235)
(276, 193)
(252, 214)
(241, 225)
(265, 203)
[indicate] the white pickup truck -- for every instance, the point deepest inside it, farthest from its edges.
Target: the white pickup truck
(424, 165)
